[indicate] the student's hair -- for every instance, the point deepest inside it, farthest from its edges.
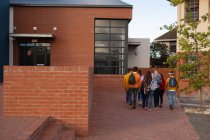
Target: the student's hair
(148, 77)
(139, 71)
(135, 69)
(161, 75)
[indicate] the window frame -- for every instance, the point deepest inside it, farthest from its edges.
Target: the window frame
(122, 32)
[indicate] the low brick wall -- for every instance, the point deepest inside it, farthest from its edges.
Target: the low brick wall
(108, 83)
(60, 92)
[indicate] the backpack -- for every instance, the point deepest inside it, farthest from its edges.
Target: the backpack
(158, 78)
(153, 85)
(147, 87)
(172, 82)
(131, 79)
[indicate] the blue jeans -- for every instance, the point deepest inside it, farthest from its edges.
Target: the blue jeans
(151, 98)
(127, 97)
(171, 97)
(139, 96)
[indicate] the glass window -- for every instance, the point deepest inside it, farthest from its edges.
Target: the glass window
(101, 43)
(192, 10)
(118, 44)
(102, 36)
(117, 37)
(102, 30)
(101, 50)
(102, 23)
(110, 55)
(118, 23)
(117, 50)
(118, 30)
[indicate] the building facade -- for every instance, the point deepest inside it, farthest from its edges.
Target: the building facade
(193, 10)
(4, 31)
(169, 39)
(67, 33)
(139, 52)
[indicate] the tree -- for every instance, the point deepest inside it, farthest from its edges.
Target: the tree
(193, 63)
(158, 54)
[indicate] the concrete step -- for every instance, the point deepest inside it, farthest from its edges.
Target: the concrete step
(68, 134)
(52, 132)
(40, 129)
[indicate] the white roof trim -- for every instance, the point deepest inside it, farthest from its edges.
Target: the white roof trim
(165, 40)
(32, 35)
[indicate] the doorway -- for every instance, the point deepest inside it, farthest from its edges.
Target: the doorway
(35, 54)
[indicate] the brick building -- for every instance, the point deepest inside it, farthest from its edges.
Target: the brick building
(71, 33)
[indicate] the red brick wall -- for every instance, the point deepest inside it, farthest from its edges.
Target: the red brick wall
(108, 83)
(61, 92)
(74, 41)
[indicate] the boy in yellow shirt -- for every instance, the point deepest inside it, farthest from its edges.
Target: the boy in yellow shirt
(171, 87)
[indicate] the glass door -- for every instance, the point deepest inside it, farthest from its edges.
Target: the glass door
(35, 54)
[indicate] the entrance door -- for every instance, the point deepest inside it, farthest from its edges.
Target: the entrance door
(35, 54)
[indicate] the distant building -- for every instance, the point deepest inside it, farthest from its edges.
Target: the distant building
(169, 39)
(4, 31)
(139, 52)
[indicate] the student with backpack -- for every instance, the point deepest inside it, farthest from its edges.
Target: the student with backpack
(140, 97)
(146, 89)
(134, 84)
(153, 89)
(171, 88)
(157, 77)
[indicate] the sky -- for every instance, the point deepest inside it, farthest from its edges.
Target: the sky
(148, 16)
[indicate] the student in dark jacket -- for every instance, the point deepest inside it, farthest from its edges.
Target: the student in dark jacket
(161, 92)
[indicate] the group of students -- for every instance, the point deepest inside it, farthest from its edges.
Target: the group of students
(149, 88)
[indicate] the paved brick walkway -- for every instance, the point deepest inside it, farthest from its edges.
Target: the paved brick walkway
(112, 119)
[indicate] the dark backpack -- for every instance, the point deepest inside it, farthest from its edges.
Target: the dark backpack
(172, 82)
(131, 79)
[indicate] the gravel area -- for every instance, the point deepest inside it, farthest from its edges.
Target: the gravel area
(199, 120)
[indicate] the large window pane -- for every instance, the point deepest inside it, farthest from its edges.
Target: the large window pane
(118, 30)
(102, 30)
(101, 60)
(102, 36)
(117, 37)
(101, 43)
(118, 23)
(101, 50)
(117, 50)
(102, 23)
(118, 44)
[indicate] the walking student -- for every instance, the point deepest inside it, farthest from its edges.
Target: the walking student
(125, 84)
(140, 98)
(156, 76)
(153, 88)
(161, 92)
(171, 89)
(134, 84)
(146, 86)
